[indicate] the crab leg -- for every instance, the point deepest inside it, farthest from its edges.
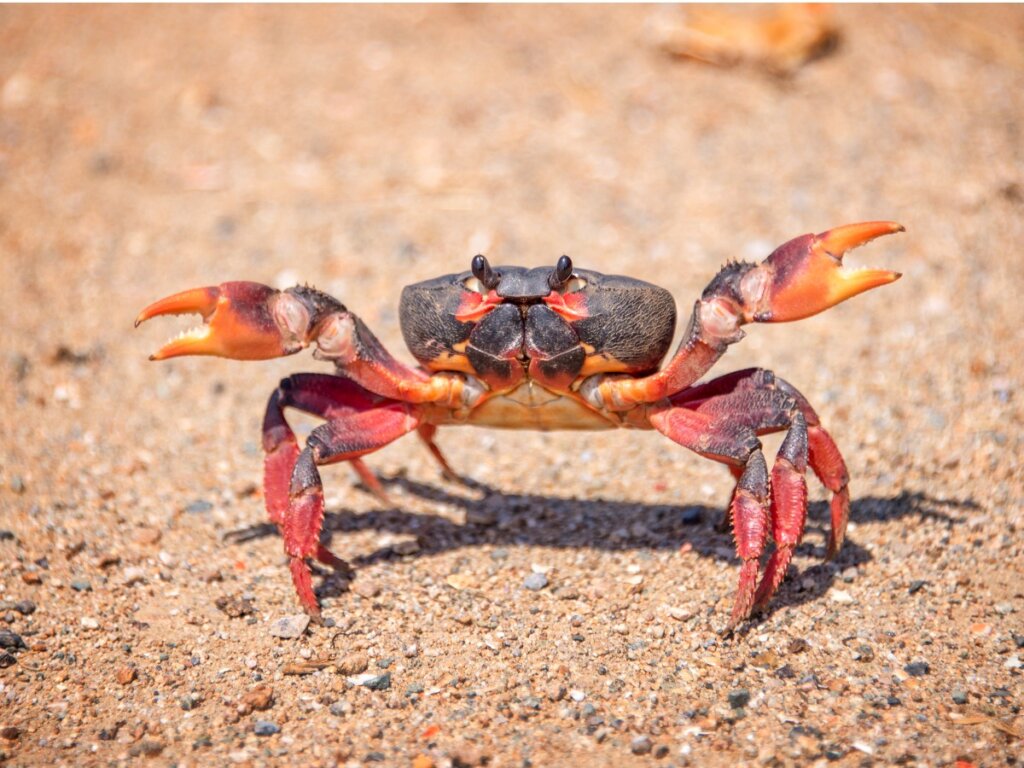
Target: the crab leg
(250, 321)
(824, 457)
(800, 278)
(735, 444)
(343, 439)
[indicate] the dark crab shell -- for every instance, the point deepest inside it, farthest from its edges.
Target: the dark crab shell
(600, 323)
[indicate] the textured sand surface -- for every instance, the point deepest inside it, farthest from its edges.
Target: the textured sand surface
(144, 151)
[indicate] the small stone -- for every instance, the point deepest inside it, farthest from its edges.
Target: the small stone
(373, 682)
(557, 692)
(7, 660)
(1013, 662)
(89, 622)
(147, 748)
(797, 645)
(17, 484)
(189, 702)
(148, 536)
(864, 653)
(340, 708)
(265, 728)
(10, 732)
(840, 596)
(917, 668)
(691, 516)
(31, 577)
(366, 588)
(6, 535)
(25, 607)
(661, 751)
(167, 559)
(577, 695)
(197, 507)
(535, 582)
(81, 585)
(1018, 640)
(739, 698)
(10, 640)
(641, 745)
(959, 696)
(1004, 609)
(260, 698)
(126, 675)
(134, 575)
(353, 665)
(289, 627)
(235, 607)
(916, 586)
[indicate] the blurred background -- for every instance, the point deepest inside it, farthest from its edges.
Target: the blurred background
(144, 150)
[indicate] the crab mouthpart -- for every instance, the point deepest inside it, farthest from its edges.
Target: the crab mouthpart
(809, 275)
(238, 321)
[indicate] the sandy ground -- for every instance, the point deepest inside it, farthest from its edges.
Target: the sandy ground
(143, 151)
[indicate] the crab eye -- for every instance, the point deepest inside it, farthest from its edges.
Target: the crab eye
(561, 274)
(485, 277)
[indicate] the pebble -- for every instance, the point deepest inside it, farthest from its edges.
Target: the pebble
(10, 732)
(340, 708)
(959, 696)
(7, 660)
(6, 535)
(577, 695)
(89, 622)
(265, 728)
(840, 596)
(353, 665)
(81, 585)
(25, 607)
(917, 668)
(371, 681)
(198, 506)
(147, 748)
(739, 698)
(366, 588)
(31, 577)
(259, 698)
(189, 702)
(1013, 662)
(916, 586)
(10, 640)
(535, 582)
(289, 627)
(1018, 640)
(641, 745)
(125, 675)
(134, 575)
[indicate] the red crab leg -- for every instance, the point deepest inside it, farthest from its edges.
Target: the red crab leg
(800, 278)
(348, 437)
(737, 445)
(249, 321)
(328, 397)
(824, 456)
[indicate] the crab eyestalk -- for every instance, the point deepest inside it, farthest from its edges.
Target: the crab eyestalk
(806, 275)
(242, 321)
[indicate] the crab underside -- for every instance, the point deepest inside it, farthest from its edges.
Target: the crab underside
(560, 348)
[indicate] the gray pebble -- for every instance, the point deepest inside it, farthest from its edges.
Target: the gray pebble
(641, 745)
(10, 640)
(289, 627)
(339, 708)
(959, 696)
(379, 683)
(25, 607)
(917, 668)
(535, 582)
(198, 506)
(265, 728)
(189, 702)
(739, 698)
(81, 585)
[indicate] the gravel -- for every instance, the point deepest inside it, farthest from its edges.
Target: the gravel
(535, 582)
(387, 145)
(289, 627)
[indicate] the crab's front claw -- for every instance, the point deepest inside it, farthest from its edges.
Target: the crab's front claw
(242, 321)
(806, 275)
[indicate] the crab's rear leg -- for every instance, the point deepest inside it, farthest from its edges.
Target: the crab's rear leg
(737, 445)
(824, 457)
(343, 439)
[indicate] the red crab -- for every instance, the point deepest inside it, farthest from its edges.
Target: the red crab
(542, 348)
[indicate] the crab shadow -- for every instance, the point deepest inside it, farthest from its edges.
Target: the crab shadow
(502, 519)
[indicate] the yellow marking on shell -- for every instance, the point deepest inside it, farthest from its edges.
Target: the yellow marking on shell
(530, 406)
(601, 363)
(446, 361)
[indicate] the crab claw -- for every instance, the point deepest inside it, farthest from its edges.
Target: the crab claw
(806, 275)
(242, 321)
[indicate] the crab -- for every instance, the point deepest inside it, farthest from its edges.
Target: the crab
(547, 349)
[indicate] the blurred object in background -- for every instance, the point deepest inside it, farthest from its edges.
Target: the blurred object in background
(780, 39)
